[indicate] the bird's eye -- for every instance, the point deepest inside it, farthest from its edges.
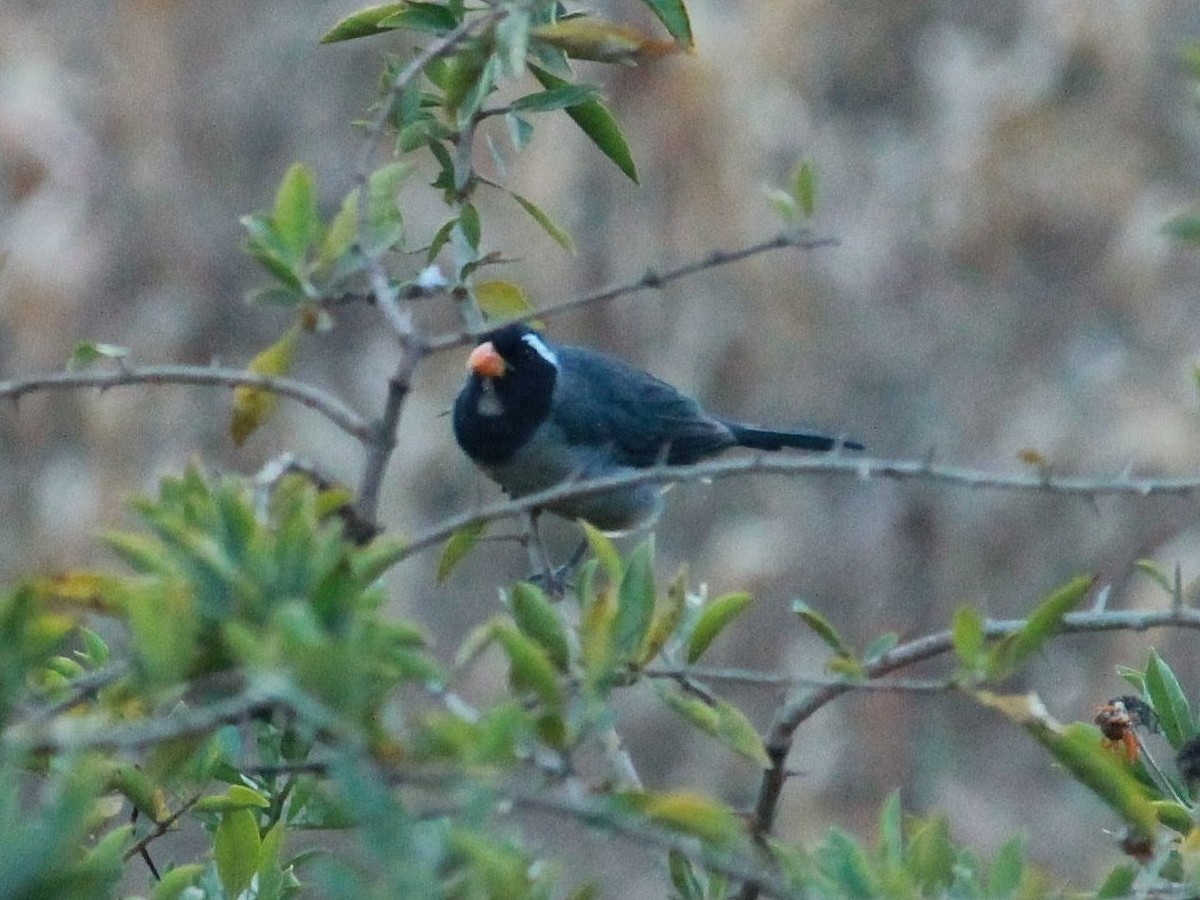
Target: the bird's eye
(539, 347)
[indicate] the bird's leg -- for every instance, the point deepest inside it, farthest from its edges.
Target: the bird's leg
(542, 570)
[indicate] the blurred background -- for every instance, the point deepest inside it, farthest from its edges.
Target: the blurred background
(997, 175)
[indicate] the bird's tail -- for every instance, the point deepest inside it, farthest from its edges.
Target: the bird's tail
(767, 439)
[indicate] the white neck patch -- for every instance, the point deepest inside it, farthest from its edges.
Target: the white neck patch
(541, 348)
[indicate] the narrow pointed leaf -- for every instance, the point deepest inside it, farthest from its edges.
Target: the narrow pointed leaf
(604, 550)
(635, 603)
(536, 617)
(821, 627)
(666, 617)
(295, 213)
(594, 119)
(460, 544)
(252, 406)
(558, 234)
(968, 636)
(1169, 702)
(364, 23)
(674, 15)
(739, 734)
(716, 615)
(530, 666)
(1013, 651)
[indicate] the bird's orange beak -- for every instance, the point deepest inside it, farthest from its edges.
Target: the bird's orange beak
(485, 361)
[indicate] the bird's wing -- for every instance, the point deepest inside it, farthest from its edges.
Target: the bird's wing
(644, 420)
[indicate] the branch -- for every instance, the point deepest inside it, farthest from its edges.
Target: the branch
(651, 280)
(795, 711)
(835, 464)
(383, 432)
(315, 399)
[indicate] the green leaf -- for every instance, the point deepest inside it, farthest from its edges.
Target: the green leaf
(969, 639)
(604, 550)
(1157, 574)
(1135, 677)
(1012, 652)
(558, 234)
(885, 643)
(690, 707)
(821, 627)
(237, 797)
(385, 223)
(561, 97)
(930, 854)
(666, 618)
(87, 352)
(461, 543)
(364, 23)
(1008, 868)
(530, 666)
(596, 636)
(1174, 815)
(845, 861)
(1119, 883)
(674, 15)
(469, 226)
(739, 734)
(536, 617)
(439, 239)
(804, 188)
(1184, 228)
(635, 603)
(253, 406)
(235, 850)
(891, 831)
(430, 17)
(295, 213)
(520, 131)
(177, 880)
(683, 876)
(1169, 702)
(784, 204)
(594, 119)
(712, 621)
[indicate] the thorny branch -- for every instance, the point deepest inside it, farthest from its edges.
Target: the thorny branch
(835, 464)
(333, 409)
(651, 280)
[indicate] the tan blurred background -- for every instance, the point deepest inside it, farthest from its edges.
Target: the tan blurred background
(997, 174)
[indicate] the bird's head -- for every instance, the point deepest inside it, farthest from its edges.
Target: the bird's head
(510, 382)
(513, 352)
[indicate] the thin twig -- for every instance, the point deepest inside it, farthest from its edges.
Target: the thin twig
(160, 828)
(652, 280)
(333, 409)
(862, 469)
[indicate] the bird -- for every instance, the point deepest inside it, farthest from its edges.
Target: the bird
(534, 414)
